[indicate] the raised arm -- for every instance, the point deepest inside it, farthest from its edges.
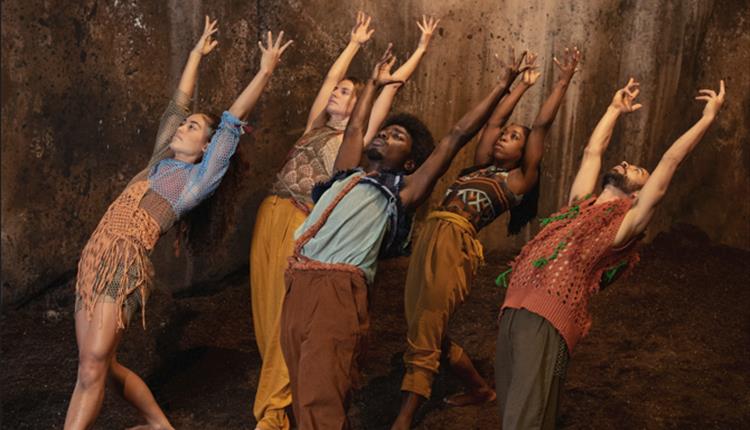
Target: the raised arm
(418, 185)
(205, 176)
(270, 57)
(385, 99)
(178, 108)
(591, 163)
(653, 191)
(521, 181)
(361, 33)
(499, 117)
(350, 151)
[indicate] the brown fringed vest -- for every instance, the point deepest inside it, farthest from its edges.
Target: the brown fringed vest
(559, 270)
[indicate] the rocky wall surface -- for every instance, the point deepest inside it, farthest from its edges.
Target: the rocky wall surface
(83, 86)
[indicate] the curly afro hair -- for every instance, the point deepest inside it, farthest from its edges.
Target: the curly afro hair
(422, 142)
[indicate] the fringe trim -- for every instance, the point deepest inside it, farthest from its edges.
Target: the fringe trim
(123, 245)
(304, 263)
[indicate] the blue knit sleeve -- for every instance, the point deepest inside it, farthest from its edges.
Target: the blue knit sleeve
(205, 176)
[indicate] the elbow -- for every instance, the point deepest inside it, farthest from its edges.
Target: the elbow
(457, 134)
(591, 152)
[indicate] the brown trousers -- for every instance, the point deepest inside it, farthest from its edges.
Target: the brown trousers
(323, 324)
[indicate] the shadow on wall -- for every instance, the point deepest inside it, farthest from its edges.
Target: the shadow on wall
(83, 87)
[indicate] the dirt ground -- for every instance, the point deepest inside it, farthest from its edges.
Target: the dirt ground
(669, 349)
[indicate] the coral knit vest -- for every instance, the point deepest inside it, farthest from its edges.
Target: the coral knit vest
(559, 270)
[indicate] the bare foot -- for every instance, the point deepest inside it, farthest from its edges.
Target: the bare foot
(471, 398)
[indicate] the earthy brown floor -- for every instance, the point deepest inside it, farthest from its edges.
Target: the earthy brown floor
(670, 348)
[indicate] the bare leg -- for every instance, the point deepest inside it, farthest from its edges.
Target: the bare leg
(132, 388)
(409, 405)
(477, 390)
(97, 342)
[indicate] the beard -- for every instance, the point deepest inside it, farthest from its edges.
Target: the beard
(619, 181)
(373, 153)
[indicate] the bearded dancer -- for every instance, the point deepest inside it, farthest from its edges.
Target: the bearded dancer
(545, 312)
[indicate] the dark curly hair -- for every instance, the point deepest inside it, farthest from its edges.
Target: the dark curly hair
(422, 142)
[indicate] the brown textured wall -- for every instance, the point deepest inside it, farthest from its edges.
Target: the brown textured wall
(83, 85)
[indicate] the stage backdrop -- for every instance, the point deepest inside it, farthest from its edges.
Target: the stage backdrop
(84, 83)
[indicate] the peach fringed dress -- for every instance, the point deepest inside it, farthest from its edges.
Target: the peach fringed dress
(115, 262)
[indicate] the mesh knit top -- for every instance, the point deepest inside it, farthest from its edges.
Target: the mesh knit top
(176, 187)
(309, 162)
(480, 196)
(558, 271)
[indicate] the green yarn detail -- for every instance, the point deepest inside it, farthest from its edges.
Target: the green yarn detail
(572, 212)
(541, 262)
(610, 274)
(502, 279)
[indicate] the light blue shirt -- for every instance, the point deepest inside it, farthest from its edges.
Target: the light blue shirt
(185, 185)
(355, 229)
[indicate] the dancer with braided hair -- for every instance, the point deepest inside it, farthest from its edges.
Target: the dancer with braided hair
(448, 253)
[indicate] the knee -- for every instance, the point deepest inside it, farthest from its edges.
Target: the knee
(92, 369)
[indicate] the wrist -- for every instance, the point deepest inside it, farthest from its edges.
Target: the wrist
(613, 110)
(564, 81)
(196, 53)
(708, 117)
(265, 71)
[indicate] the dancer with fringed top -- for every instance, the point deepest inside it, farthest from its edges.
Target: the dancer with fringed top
(191, 156)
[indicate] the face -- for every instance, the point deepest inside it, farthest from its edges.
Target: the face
(509, 145)
(342, 99)
(191, 138)
(392, 148)
(627, 177)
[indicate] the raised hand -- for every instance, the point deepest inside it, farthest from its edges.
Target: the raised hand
(427, 26)
(361, 32)
(569, 65)
(381, 74)
(530, 75)
(206, 43)
(515, 66)
(713, 100)
(624, 97)
(272, 52)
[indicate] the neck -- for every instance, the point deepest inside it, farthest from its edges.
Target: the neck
(611, 193)
(337, 118)
(373, 165)
(185, 158)
(506, 164)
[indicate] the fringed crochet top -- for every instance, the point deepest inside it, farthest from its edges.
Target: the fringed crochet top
(152, 202)
(559, 270)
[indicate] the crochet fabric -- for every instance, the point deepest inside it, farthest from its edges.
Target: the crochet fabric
(124, 237)
(559, 270)
(310, 161)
